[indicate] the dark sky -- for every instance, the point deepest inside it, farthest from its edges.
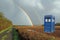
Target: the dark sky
(28, 12)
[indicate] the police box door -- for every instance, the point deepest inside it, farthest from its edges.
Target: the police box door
(47, 24)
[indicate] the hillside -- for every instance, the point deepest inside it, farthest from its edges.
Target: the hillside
(37, 33)
(4, 22)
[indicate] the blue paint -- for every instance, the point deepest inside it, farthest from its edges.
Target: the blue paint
(49, 23)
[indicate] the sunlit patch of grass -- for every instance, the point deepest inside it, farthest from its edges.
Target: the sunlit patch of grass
(9, 28)
(52, 38)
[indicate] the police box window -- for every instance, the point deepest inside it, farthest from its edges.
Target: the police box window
(53, 20)
(47, 20)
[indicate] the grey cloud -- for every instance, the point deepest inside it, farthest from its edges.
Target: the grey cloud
(35, 9)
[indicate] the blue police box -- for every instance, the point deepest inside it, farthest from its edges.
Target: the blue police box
(49, 23)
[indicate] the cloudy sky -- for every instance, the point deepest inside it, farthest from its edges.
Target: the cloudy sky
(28, 12)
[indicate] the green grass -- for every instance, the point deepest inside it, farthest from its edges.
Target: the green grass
(9, 28)
(4, 37)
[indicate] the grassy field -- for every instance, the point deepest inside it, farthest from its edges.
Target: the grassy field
(37, 33)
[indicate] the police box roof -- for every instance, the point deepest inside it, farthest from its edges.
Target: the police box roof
(49, 16)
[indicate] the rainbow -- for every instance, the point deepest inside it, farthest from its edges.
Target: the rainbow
(26, 13)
